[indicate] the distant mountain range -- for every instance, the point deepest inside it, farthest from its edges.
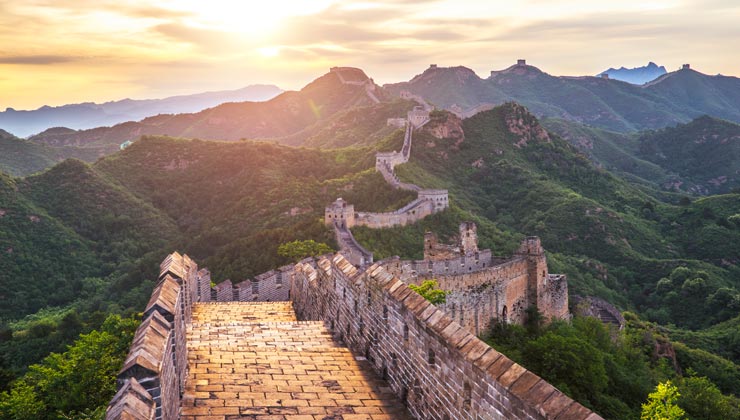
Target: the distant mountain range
(284, 115)
(89, 115)
(637, 75)
(675, 97)
(603, 113)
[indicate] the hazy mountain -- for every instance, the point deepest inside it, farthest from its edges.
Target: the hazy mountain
(637, 75)
(284, 115)
(20, 157)
(89, 115)
(610, 104)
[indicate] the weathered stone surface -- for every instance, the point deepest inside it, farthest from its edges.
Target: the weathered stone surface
(148, 348)
(164, 298)
(256, 359)
(132, 402)
(438, 368)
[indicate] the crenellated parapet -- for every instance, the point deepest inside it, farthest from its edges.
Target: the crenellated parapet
(436, 366)
(157, 359)
(483, 288)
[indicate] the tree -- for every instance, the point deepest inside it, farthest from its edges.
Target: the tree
(703, 400)
(429, 290)
(570, 363)
(661, 404)
(298, 250)
(80, 379)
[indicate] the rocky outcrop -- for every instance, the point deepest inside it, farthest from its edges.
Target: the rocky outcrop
(446, 125)
(524, 125)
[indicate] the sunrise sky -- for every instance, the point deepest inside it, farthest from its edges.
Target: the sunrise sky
(65, 51)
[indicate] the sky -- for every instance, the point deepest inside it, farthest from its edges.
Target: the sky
(54, 52)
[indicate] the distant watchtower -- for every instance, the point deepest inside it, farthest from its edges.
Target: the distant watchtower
(605, 75)
(432, 66)
(686, 67)
(521, 62)
(340, 213)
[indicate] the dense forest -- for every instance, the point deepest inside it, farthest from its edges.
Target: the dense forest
(80, 244)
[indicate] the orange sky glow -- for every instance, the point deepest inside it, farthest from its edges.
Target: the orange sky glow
(54, 52)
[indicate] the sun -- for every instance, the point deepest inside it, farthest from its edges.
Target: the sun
(269, 52)
(247, 17)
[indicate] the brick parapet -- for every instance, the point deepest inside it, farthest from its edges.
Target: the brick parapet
(157, 359)
(438, 368)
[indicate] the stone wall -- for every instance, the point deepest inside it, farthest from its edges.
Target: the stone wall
(271, 286)
(484, 289)
(437, 368)
(389, 159)
(480, 291)
(157, 359)
(406, 269)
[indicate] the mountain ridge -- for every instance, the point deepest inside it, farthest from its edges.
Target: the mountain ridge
(673, 98)
(284, 115)
(23, 123)
(635, 75)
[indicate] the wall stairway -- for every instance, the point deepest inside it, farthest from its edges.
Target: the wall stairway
(255, 360)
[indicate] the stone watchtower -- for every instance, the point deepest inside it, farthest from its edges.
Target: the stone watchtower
(418, 116)
(468, 238)
(340, 213)
(549, 293)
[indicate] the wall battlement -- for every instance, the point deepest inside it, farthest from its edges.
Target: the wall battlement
(157, 360)
(485, 289)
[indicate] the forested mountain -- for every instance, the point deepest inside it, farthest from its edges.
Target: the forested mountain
(89, 115)
(80, 242)
(705, 154)
(21, 157)
(610, 104)
(700, 157)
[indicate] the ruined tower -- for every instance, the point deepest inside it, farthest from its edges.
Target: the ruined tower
(468, 238)
(549, 293)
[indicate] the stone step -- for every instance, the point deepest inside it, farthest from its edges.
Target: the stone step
(255, 361)
(243, 312)
(264, 334)
(607, 317)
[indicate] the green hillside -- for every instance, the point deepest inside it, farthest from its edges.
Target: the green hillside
(616, 152)
(511, 172)
(94, 234)
(20, 157)
(704, 154)
(39, 255)
(236, 202)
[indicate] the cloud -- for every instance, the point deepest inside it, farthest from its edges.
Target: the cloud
(207, 40)
(38, 60)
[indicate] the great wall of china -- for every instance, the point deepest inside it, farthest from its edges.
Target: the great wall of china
(338, 337)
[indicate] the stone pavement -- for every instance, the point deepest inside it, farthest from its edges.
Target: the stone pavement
(254, 360)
